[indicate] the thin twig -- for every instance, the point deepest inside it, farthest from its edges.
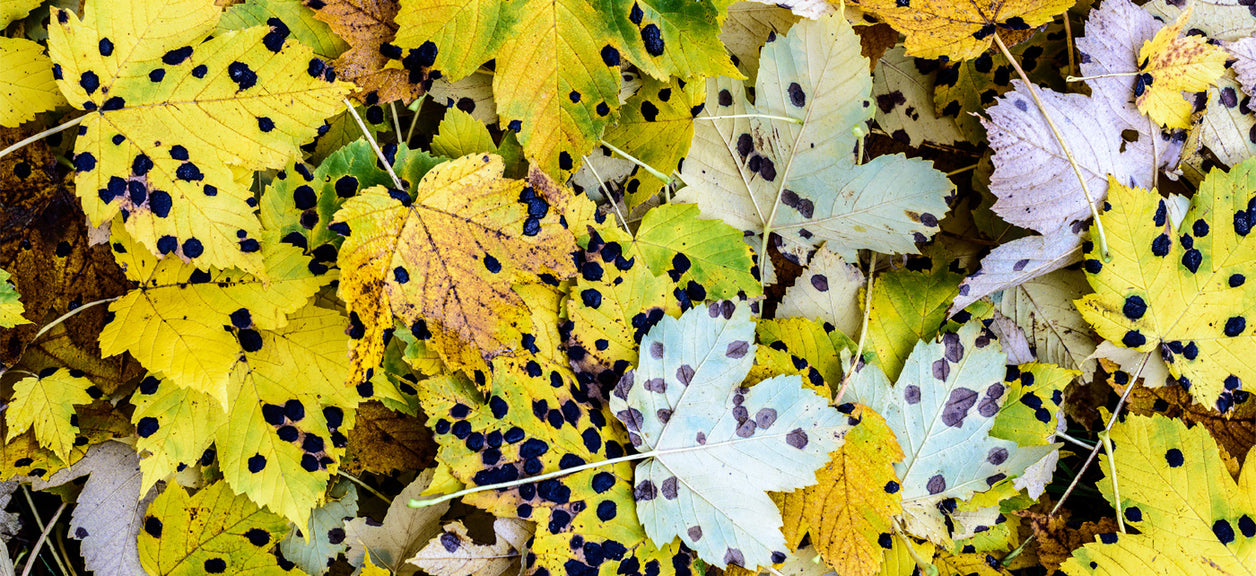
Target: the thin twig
(1095, 451)
(42, 135)
(1069, 45)
(1116, 489)
(1059, 138)
(364, 486)
(30, 562)
(374, 146)
(1073, 440)
(414, 118)
(962, 170)
(1098, 76)
(648, 168)
(40, 523)
(863, 332)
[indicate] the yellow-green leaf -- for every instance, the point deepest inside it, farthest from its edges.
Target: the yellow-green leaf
(46, 404)
(656, 127)
(27, 85)
(292, 13)
(1181, 290)
(213, 531)
(11, 308)
(174, 426)
(461, 134)
(171, 113)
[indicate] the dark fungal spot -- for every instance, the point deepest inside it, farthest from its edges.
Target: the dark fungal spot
(84, 162)
(242, 75)
(200, 71)
(152, 526)
(265, 124)
(610, 56)
(1133, 339)
(796, 96)
(257, 463)
(652, 38)
(725, 98)
(1134, 307)
(215, 565)
(936, 484)
(649, 111)
(189, 172)
(177, 56)
(1223, 531)
(1160, 245)
(1235, 326)
(275, 38)
(1174, 457)
(89, 81)
(1192, 258)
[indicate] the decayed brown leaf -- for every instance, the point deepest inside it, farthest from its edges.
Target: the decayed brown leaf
(383, 441)
(44, 244)
(368, 27)
(1056, 539)
(1235, 435)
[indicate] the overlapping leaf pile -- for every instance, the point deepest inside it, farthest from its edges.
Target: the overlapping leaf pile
(648, 287)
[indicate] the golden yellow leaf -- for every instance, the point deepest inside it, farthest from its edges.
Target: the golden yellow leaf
(848, 511)
(447, 259)
(46, 403)
(1170, 64)
(27, 86)
(961, 29)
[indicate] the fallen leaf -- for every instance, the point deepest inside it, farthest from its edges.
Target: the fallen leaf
(1170, 64)
(454, 553)
(961, 30)
(27, 85)
(402, 533)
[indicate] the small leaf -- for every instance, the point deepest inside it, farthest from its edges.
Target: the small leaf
(454, 553)
(828, 291)
(325, 532)
(11, 308)
(1171, 64)
(403, 532)
(27, 85)
(46, 404)
(717, 448)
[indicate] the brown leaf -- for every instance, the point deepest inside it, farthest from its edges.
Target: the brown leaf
(44, 244)
(1057, 540)
(874, 40)
(368, 27)
(1235, 434)
(383, 440)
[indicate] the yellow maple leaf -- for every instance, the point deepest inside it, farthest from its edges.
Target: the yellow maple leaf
(447, 259)
(848, 511)
(1170, 64)
(27, 86)
(171, 113)
(1181, 292)
(46, 403)
(11, 307)
(962, 29)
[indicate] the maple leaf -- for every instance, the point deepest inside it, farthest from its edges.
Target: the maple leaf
(174, 425)
(1191, 515)
(11, 307)
(173, 321)
(655, 127)
(557, 64)
(827, 291)
(961, 30)
(326, 532)
(161, 105)
(213, 531)
(712, 455)
(461, 134)
(27, 86)
(942, 409)
(465, 238)
(903, 88)
(384, 441)
(848, 511)
(403, 531)
(1170, 64)
(45, 403)
(108, 512)
(454, 553)
(1181, 289)
(798, 179)
(372, 61)
(23, 455)
(1043, 308)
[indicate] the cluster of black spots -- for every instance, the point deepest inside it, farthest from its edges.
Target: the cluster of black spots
(537, 208)
(242, 75)
(274, 39)
(418, 61)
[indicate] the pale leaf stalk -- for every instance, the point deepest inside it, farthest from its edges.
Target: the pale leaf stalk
(1059, 138)
(40, 136)
(609, 197)
(1075, 441)
(414, 118)
(588, 466)
(1098, 76)
(374, 146)
(67, 315)
(629, 157)
(34, 555)
(1116, 489)
(764, 116)
(396, 121)
(863, 332)
(364, 486)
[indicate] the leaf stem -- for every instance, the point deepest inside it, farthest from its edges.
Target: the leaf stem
(374, 145)
(1073, 440)
(1116, 489)
(396, 121)
(364, 486)
(67, 315)
(764, 116)
(1069, 45)
(962, 170)
(863, 332)
(1090, 202)
(414, 119)
(1098, 76)
(46, 133)
(43, 535)
(609, 197)
(1111, 421)
(648, 168)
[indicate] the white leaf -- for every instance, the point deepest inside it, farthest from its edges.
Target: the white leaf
(1244, 52)
(110, 511)
(1017, 262)
(1011, 339)
(1155, 372)
(904, 98)
(1228, 125)
(453, 553)
(746, 29)
(326, 533)
(473, 94)
(404, 531)
(717, 448)
(827, 291)
(942, 410)
(1043, 308)
(806, 8)
(800, 180)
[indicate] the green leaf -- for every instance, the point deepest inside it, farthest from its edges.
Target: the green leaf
(460, 134)
(324, 531)
(299, 20)
(655, 127)
(711, 253)
(716, 448)
(907, 307)
(11, 308)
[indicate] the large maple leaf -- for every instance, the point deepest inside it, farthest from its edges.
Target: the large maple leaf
(163, 102)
